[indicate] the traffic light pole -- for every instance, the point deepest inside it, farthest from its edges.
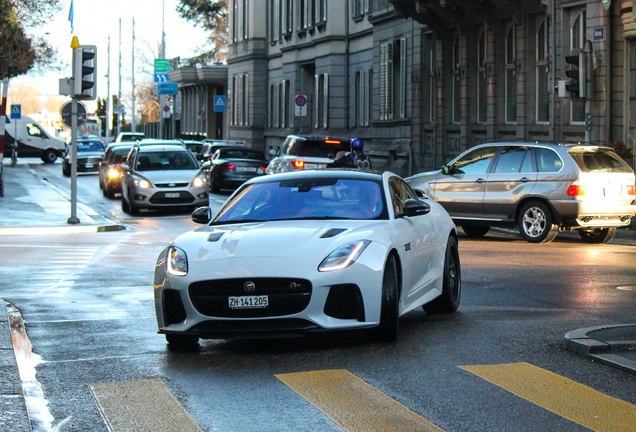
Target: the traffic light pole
(588, 92)
(73, 219)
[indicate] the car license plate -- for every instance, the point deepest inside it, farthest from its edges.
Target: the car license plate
(172, 194)
(246, 169)
(311, 166)
(248, 302)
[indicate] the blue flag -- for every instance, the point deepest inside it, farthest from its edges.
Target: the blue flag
(70, 16)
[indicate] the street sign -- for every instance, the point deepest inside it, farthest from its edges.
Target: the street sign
(162, 77)
(162, 65)
(168, 88)
(301, 105)
(16, 112)
(219, 103)
(165, 111)
(65, 113)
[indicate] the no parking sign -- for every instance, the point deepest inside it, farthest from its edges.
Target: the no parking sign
(301, 105)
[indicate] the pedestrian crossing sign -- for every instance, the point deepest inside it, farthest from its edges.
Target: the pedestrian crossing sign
(219, 103)
(16, 111)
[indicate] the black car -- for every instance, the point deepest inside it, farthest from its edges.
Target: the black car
(231, 166)
(110, 168)
(90, 153)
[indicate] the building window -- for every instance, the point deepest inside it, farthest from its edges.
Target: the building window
(287, 17)
(482, 79)
(362, 102)
(457, 80)
(577, 43)
(321, 101)
(275, 23)
(245, 20)
(393, 79)
(285, 100)
(320, 15)
(430, 77)
(235, 21)
(240, 96)
(359, 8)
(511, 75)
(377, 5)
(542, 94)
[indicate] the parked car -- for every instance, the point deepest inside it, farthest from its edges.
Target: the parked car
(90, 153)
(308, 251)
(110, 168)
(130, 136)
(210, 146)
(232, 166)
(157, 176)
(539, 188)
(306, 152)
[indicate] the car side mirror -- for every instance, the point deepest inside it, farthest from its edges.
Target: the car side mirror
(273, 152)
(413, 207)
(202, 215)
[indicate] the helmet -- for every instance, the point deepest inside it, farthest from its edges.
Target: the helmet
(357, 145)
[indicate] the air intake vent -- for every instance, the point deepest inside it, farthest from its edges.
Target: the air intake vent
(332, 232)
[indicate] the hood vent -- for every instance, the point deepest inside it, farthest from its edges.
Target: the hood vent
(332, 232)
(215, 236)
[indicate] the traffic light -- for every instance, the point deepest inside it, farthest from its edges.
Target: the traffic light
(576, 74)
(85, 72)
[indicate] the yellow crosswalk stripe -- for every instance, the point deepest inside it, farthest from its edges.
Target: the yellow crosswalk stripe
(142, 406)
(353, 404)
(569, 399)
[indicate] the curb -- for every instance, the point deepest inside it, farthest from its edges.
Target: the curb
(584, 342)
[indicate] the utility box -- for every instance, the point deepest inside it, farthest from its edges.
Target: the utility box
(560, 88)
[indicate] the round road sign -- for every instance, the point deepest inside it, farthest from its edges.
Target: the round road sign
(301, 100)
(66, 114)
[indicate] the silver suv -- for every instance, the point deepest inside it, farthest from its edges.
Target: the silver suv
(306, 152)
(541, 189)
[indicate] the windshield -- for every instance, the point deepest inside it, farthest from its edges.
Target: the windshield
(89, 146)
(166, 160)
(317, 198)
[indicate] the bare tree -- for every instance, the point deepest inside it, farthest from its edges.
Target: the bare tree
(148, 101)
(211, 15)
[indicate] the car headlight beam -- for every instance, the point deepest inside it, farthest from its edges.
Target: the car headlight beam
(199, 181)
(177, 262)
(343, 256)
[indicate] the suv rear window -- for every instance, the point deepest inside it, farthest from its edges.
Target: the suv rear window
(316, 148)
(599, 160)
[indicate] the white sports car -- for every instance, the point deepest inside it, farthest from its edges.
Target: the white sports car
(308, 251)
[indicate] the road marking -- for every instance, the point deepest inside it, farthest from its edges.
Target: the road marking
(144, 405)
(353, 404)
(562, 396)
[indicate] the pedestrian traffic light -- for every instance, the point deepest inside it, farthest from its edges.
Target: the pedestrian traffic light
(576, 74)
(85, 72)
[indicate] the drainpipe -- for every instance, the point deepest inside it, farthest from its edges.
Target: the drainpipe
(608, 75)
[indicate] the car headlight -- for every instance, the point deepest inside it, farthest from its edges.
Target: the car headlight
(113, 173)
(177, 262)
(343, 256)
(199, 180)
(142, 183)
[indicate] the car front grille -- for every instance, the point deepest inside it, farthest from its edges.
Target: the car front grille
(285, 296)
(171, 185)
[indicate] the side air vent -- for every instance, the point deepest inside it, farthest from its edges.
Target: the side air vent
(215, 236)
(332, 232)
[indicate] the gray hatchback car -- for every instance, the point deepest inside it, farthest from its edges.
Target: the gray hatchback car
(539, 188)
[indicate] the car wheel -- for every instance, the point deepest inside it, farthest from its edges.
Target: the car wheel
(49, 156)
(109, 192)
(452, 286)
(535, 223)
(182, 342)
(124, 205)
(598, 235)
(66, 172)
(389, 315)
(475, 230)
(134, 210)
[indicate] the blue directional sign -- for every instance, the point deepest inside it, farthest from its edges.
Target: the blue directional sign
(16, 111)
(168, 88)
(162, 77)
(219, 103)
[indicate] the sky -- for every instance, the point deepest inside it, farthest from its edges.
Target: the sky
(94, 21)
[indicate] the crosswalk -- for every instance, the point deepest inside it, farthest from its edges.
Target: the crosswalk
(356, 406)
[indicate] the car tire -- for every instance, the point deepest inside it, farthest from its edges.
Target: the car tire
(66, 172)
(109, 192)
(475, 230)
(49, 156)
(389, 315)
(451, 296)
(182, 342)
(124, 205)
(535, 223)
(134, 210)
(598, 235)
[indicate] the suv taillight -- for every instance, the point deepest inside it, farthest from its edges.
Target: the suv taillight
(298, 164)
(576, 190)
(631, 190)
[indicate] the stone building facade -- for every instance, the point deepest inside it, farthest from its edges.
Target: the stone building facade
(422, 80)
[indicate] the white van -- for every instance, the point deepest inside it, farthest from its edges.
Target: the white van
(33, 140)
